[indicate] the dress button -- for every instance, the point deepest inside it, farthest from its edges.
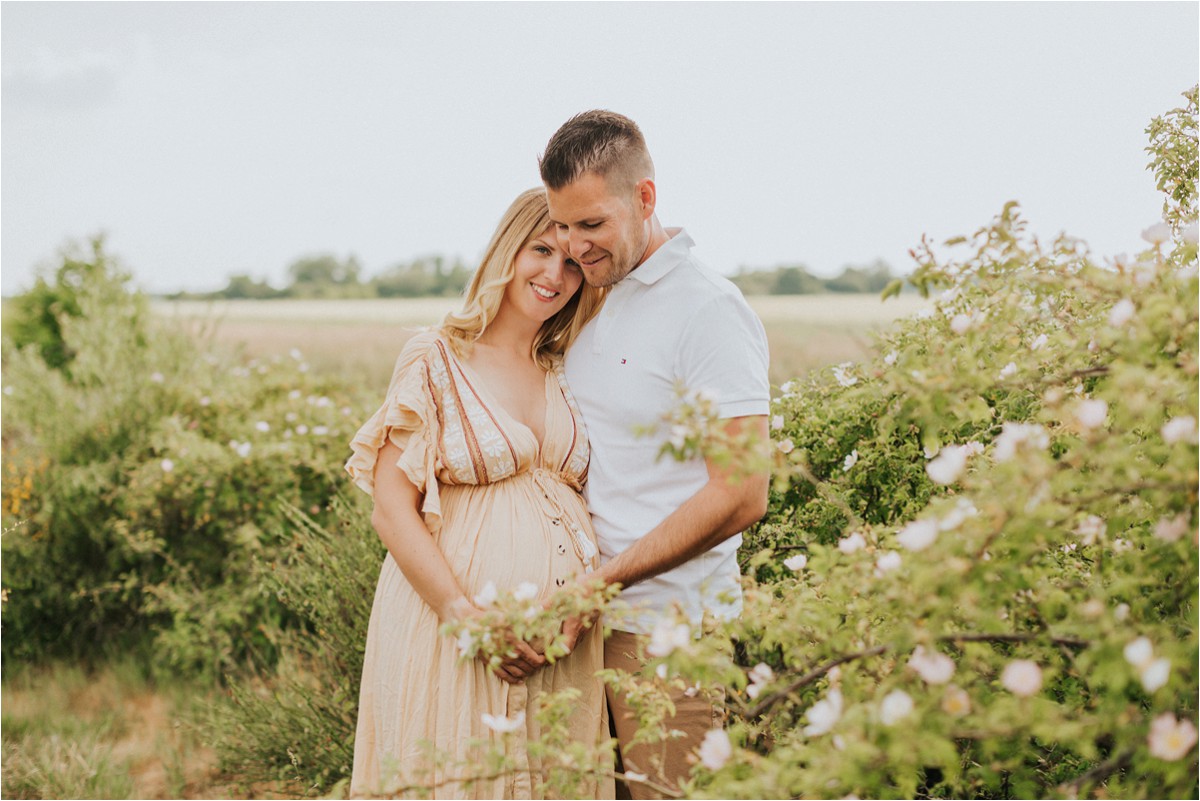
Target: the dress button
(560, 581)
(556, 521)
(562, 548)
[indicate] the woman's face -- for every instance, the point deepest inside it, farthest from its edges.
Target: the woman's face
(544, 278)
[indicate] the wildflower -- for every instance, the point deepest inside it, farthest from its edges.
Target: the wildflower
(679, 435)
(890, 359)
(850, 460)
(1022, 677)
(961, 323)
(932, 666)
(1121, 313)
(760, 677)
(241, 448)
(962, 510)
(842, 375)
(854, 542)
(974, 447)
(1091, 529)
(167, 465)
(1091, 413)
(1121, 612)
(1015, 435)
(785, 445)
(503, 725)
(303, 367)
(948, 465)
(887, 562)
(1171, 739)
(1179, 429)
(465, 642)
(8, 390)
(294, 394)
(525, 591)
(205, 400)
(486, 596)
(796, 563)
(716, 749)
(1155, 674)
(320, 431)
(1008, 370)
(156, 377)
(1188, 234)
(1171, 529)
(824, 714)
(667, 637)
(776, 422)
(1157, 234)
(295, 354)
(956, 702)
(263, 426)
(787, 387)
(1038, 342)
(918, 535)
(896, 706)
(302, 429)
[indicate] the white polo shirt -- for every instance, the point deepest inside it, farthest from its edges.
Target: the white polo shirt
(670, 321)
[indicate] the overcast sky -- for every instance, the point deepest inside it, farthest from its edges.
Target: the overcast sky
(212, 139)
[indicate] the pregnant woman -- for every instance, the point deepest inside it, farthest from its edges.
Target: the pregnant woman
(475, 462)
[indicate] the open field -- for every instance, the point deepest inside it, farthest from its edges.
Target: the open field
(363, 336)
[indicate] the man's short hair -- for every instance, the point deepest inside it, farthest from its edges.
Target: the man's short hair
(604, 142)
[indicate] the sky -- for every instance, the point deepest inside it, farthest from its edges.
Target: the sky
(210, 139)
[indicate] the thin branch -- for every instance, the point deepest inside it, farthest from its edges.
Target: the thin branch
(1101, 771)
(965, 637)
(811, 676)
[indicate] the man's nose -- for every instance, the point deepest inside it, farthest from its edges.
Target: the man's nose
(576, 244)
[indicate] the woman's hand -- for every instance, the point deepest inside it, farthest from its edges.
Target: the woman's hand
(520, 660)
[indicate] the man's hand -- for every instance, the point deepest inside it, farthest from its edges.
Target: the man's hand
(574, 627)
(520, 662)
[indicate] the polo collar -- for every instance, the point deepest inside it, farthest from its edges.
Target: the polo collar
(665, 259)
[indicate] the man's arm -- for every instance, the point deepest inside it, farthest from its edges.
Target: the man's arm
(726, 505)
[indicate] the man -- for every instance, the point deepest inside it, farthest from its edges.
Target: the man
(668, 531)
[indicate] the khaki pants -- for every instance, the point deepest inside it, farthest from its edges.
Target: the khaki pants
(665, 762)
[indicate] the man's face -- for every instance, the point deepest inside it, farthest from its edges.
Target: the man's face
(605, 233)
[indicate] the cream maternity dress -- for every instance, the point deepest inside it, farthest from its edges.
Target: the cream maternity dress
(502, 510)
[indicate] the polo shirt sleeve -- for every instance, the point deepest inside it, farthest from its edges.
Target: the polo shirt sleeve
(724, 352)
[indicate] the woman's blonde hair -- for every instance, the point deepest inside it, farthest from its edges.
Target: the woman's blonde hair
(527, 217)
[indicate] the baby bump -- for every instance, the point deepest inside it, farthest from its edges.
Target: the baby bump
(524, 529)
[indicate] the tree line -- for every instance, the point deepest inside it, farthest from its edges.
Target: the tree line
(327, 276)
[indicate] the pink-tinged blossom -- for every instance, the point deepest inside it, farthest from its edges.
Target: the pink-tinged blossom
(1014, 436)
(948, 465)
(956, 702)
(1171, 529)
(1022, 677)
(1121, 313)
(486, 596)
(890, 359)
(1039, 342)
(1008, 370)
(167, 465)
(1189, 234)
(776, 422)
(842, 374)
(785, 446)
(1157, 234)
(896, 706)
(1171, 739)
(668, 636)
(1091, 529)
(854, 542)
(850, 460)
(824, 714)
(796, 563)
(1090, 414)
(933, 667)
(887, 562)
(1154, 676)
(716, 749)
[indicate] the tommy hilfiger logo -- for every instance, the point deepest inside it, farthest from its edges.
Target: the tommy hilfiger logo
(622, 361)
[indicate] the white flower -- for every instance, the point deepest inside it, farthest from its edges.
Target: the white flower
(1091, 413)
(503, 725)
(525, 591)
(661, 671)
(890, 359)
(918, 535)
(1154, 675)
(961, 323)
(465, 642)
(956, 702)
(1171, 739)
(1121, 313)
(679, 435)
(962, 510)
(667, 636)
(303, 367)
(932, 666)
(1179, 429)
(205, 400)
(854, 542)
(1091, 529)
(1157, 233)
(1121, 545)
(776, 422)
(320, 431)
(294, 394)
(948, 465)
(487, 596)
(1038, 342)
(157, 378)
(1121, 613)
(8, 390)
(1139, 653)
(1189, 234)
(796, 563)
(1172, 528)
(302, 429)
(785, 446)
(974, 447)
(850, 460)
(787, 387)
(924, 314)
(1022, 677)
(1014, 435)
(887, 562)
(716, 749)
(295, 354)
(1007, 370)
(241, 448)
(167, 465)
(263, 426)
(896, 706)
(842, 376)
(762, 674)
(824, 714)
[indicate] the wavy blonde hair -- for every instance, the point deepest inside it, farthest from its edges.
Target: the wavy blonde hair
(527, 217)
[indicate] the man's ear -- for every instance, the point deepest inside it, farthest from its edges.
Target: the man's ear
(647, 197)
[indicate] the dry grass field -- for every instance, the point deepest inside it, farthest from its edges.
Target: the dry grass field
(363, 337)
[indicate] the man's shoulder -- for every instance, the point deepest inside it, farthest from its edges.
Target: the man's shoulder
(700, 282)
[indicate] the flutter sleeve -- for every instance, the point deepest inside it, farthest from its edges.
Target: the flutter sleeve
(408, 417)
